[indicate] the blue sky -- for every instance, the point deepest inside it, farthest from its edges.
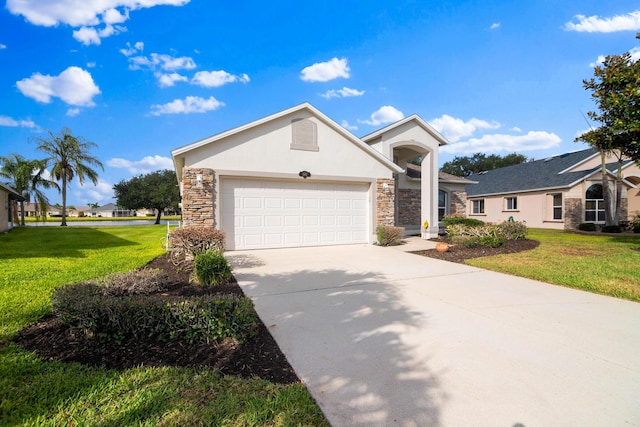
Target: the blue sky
(142, 77)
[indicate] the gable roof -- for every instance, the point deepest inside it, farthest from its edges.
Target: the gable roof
(414, 117)
(304, 106)
(415, 172)
(549, 173)
(13, 194)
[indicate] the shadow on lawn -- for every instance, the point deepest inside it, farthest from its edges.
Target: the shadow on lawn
(60, 242)
(348, 337)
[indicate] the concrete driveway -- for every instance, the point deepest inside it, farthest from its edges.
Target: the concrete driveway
(382, 337)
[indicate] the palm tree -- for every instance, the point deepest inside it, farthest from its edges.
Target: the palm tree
(69, 158)
(27, 179)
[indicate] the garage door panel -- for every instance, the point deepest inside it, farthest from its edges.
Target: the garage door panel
(270, 214)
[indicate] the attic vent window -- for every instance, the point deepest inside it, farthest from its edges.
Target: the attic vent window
(304, 135)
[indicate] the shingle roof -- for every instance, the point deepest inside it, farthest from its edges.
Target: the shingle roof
(536, 175)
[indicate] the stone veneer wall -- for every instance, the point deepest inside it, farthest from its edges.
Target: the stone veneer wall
(458, 203)
(198, 197)
(408, 207)
(573, 213)
(385, 202)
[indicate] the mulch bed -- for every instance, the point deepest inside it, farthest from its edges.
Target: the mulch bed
(258, 357)
(459, 253)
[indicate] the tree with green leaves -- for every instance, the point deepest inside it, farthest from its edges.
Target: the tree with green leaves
(480, 162)
(615, 88)
(69, 157)
(157, 191)
(27, 178)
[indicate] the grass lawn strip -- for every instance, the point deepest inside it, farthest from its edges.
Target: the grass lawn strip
(38, 393)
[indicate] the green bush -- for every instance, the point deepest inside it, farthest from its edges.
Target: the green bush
(211, 268)
(612, 229)
(471, 222)
(490, 235)
(389, 235)
(512, 230)
(635, 224)
(199, 319)
(587, 226)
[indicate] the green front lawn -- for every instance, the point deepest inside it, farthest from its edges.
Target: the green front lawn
(33, 392)
(597, 263)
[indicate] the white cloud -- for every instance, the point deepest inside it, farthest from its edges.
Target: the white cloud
(345, 124)
(74, 86)
(533, 140)
(84, 14)
(494, 26)
(90, 35)
(89, 193)
(595, 24)
(131, 50)
(325, 71)
(10, 122)
(3, 46)
(168, 80)
(71, 112)
(385, 114)
(191, 104)
(217, 78)
(146, 165)
(342, 93)
(454, 129)
(164, 62)
(91, 65)
(635, 56)
(78, 13)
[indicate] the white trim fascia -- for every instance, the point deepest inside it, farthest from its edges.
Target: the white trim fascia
(354, 139)
(426, 126)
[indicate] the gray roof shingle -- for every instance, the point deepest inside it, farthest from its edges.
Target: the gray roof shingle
(535, 175)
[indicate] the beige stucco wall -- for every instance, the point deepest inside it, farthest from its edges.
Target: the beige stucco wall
(536, 209)
(4, 210)
(265, 150)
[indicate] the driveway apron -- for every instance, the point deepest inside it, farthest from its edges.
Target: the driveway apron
(382, 337)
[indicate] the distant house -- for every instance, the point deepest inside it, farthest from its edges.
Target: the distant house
(110, 210)
(557, 192)
(8, 208)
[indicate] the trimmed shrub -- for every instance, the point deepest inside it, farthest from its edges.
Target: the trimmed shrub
(611, 229)
(144, 281)
(635, 224)
(587, 226)
(186, 243)
(211, 268)
(512, 230)
(471, 222)
(490, 235)
(389, 235)
(199, 319)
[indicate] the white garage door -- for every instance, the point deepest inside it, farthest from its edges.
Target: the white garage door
(259, 214)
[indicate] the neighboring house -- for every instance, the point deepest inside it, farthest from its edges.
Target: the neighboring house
(298, 178)
(8, 206)
(557, 192)
(110, 210)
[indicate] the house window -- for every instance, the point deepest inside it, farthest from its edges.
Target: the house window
(304, 135)
(443, 198)
(511, 203)
(594, 204)
(478, 206)
(557, 206)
